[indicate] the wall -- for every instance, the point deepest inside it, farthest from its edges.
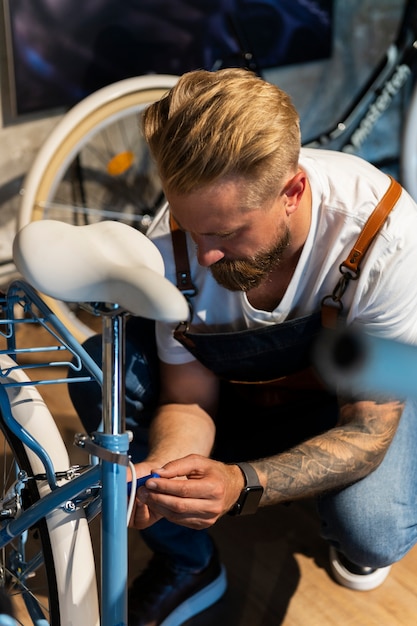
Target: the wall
(362, 30)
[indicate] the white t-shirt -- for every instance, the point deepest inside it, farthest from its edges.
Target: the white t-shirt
(345, 190)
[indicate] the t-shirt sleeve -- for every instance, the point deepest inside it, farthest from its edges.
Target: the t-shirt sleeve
(169, 349)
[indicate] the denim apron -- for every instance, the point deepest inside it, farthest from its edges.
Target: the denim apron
(270, 396)
(261, 355)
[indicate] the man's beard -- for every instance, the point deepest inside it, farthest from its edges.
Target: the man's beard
(246, 274)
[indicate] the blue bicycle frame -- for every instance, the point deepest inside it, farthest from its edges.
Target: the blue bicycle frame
(109, 447)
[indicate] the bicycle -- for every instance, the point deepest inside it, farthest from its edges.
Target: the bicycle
(59, 171)
(41, 491)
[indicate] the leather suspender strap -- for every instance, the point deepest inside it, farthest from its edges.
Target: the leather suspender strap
(182, 263)
(372, 226)
(349, 268)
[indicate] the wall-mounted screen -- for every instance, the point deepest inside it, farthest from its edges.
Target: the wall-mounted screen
(61, 50)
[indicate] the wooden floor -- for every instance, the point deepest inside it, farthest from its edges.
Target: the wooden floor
(277, 566)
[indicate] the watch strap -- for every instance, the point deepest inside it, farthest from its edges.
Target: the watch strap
(251, 494)
(249, 473)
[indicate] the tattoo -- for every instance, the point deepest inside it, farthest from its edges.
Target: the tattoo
(336, 458)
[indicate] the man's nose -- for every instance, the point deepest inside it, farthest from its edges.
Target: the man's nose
(207, 251)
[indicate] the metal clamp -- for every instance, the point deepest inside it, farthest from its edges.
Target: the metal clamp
(81, 440)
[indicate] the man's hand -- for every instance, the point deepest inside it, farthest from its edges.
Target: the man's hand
(141, 516)
(193, 491)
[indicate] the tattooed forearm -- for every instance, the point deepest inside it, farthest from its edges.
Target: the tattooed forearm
(337, 458)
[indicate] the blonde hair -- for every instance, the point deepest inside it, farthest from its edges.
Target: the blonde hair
(227, 124)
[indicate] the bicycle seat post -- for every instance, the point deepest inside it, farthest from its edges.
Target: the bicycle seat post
(114, 496)
(113, 373)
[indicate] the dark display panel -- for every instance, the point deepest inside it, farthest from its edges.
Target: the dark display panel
(62, 50)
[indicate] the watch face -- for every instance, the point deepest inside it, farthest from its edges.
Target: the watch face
(250, 500)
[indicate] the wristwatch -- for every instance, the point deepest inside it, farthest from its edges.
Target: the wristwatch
(249, 498)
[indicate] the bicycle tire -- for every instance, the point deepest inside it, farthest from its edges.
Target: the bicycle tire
(66, 591)
(408, 153)
(82, 130)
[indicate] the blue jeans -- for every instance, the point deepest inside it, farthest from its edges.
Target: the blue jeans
(373, 522)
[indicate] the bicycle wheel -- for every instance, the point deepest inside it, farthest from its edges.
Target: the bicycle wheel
(408, 156)
(95, 165)
(49, 571)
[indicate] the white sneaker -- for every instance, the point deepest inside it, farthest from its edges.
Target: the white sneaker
(354, 576)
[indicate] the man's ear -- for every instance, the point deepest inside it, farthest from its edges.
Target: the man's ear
(294, 190)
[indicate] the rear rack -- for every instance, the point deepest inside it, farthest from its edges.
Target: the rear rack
(38, 353)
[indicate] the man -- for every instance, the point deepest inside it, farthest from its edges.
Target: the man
(267, 229)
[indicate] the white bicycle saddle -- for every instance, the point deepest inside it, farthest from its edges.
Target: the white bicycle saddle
(107, 262)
